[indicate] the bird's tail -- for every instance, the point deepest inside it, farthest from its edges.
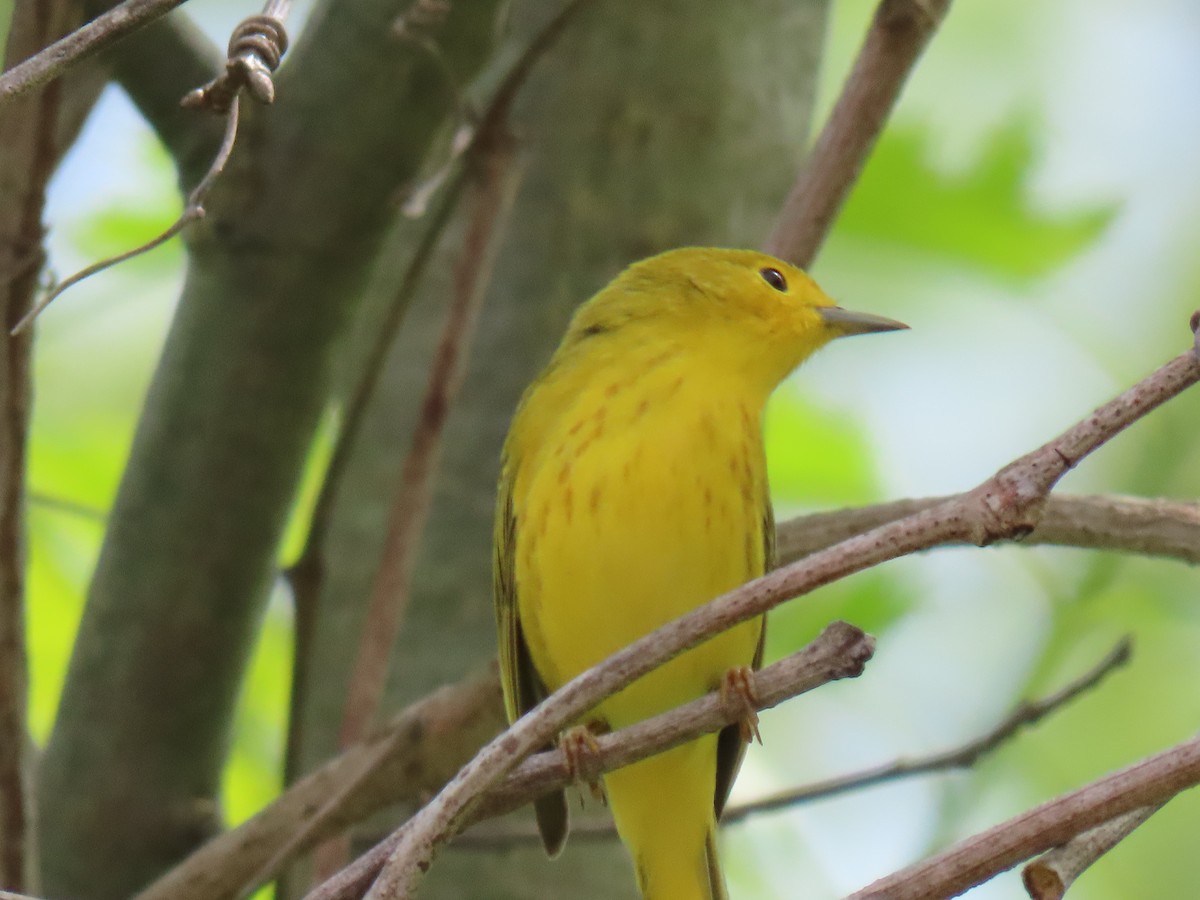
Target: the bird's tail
(663, 807)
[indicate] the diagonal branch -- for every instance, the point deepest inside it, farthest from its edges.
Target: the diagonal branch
(899, 32)
(1006, 506)
(81, 43)
(491, 198)
(973, 861)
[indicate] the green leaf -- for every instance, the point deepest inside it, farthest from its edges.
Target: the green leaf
(981, 217)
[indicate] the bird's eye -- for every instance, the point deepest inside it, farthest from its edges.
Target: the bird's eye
(774, 278)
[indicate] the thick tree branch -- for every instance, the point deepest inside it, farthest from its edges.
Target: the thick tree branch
(1168, 528)
(81, 43)
(973, 861)
(1006, 506)
(1049, 877)
(898, 34)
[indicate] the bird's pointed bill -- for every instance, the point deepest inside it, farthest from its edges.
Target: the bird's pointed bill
(847, 322)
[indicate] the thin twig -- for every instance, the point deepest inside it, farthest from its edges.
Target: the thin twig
(93, 37)
(490, 204)
(973, 861)
(64, 505)
(492, 194)
(192, 211)
(962, 757)
(1006, 506)
(255, 49)
(899, 32)
(1049, 877)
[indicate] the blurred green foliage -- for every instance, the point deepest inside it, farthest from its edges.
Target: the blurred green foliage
(980, 217)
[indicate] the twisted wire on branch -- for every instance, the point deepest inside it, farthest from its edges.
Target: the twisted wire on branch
(256, 48)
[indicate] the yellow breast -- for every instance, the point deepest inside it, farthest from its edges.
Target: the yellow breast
(643, 498)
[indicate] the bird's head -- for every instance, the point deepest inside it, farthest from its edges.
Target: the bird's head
(741, 310)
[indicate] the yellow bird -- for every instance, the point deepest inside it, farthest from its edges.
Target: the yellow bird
(633, 490)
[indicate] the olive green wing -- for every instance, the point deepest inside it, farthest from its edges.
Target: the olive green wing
(731, 749)
(523, 688)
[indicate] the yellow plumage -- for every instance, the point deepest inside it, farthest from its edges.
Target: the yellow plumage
(633, 490)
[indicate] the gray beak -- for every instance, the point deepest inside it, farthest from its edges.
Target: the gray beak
(847, 323)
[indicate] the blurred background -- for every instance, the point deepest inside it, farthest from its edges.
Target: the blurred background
(1032, 212)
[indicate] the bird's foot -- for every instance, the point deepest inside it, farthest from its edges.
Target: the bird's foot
(740, 699)
(580, 748)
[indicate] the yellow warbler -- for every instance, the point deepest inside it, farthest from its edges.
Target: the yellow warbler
(633, 490)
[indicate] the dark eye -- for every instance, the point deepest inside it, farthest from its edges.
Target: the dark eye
(774, 278)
